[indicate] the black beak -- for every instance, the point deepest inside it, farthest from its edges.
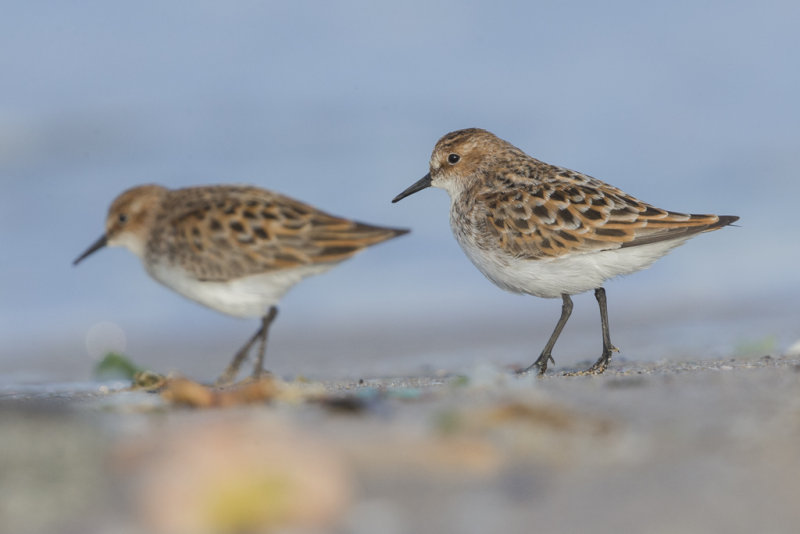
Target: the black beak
(100, 243)
(419, 186)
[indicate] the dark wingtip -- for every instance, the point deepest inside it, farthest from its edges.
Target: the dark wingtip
(725, 220)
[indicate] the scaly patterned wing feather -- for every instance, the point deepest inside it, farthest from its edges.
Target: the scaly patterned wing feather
(239, 231)
(580, 214)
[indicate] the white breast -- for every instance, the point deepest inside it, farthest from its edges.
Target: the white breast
(248, 296)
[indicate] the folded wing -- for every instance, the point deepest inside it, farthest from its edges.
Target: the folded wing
(245, 230)
(582, 215)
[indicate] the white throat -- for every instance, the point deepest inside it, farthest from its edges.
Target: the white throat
(130, 241)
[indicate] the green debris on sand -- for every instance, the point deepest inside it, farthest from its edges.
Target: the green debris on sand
(115, 366)
(767, 345)
(448, 422)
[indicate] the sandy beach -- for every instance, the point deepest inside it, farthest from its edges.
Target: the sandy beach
(653, 447)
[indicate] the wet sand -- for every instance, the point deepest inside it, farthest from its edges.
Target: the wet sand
(653, 447)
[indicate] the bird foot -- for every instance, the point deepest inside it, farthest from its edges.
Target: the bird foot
(227, 378)
(540, 365)
(259, 374)
(598, 368)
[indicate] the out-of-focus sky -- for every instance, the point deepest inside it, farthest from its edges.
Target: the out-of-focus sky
(692, 106)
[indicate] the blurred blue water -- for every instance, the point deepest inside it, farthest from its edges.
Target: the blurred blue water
(690, 106)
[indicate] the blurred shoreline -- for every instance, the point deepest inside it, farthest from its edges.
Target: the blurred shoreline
(349, 347)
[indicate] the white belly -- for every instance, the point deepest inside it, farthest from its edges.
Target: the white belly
(571, 274)
(248, 296)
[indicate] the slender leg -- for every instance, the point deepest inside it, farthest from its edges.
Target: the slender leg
(602, 363)
(541, 363)
(232, 370)
(258, 368)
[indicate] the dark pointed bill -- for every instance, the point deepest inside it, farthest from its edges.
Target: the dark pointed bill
(424, 183)
(100, 243)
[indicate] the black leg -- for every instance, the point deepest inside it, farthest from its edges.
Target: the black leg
(602, 363)
(541, 363)
(258, 368)
(233, 368)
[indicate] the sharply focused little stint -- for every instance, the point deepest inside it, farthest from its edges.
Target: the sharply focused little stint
(235, 249)
(547, 231)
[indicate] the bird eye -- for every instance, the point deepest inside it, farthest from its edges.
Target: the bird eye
(123, 218)
(453, 158)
